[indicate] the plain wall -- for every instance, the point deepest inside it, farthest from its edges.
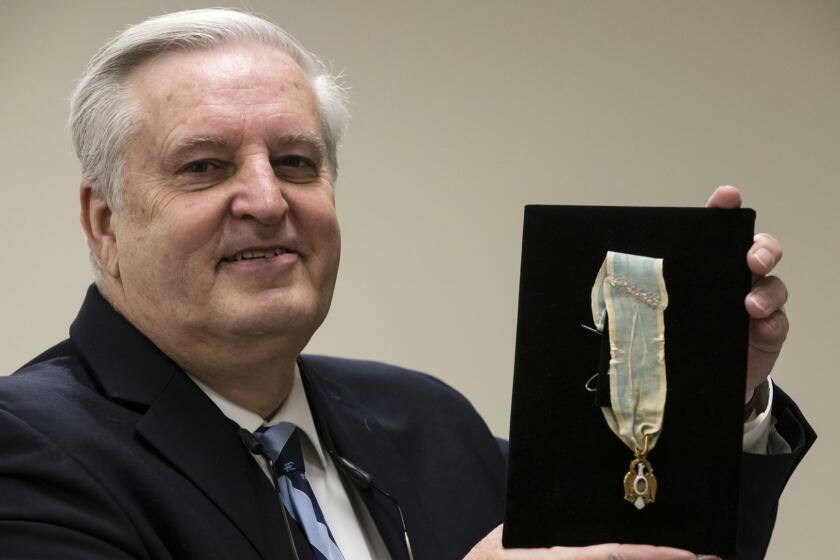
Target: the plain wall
(463, 112)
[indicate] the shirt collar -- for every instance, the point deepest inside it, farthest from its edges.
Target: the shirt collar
(295, 409)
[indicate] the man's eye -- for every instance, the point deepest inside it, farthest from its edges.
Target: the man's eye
(201, 166)
(295, 168)
(293, 161)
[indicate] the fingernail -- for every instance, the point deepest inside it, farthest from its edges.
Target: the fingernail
(764, 257)
(771, 324)
(759, 302)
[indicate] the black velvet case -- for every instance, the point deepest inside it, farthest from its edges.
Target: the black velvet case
(566, 468)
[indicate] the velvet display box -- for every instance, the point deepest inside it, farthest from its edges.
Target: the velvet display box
(566, 468)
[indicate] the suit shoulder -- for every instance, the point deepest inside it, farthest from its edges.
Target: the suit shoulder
(377, 374)
(52, 368)
(397, 396)
(64, 348)
(48, 388)
(37, 373)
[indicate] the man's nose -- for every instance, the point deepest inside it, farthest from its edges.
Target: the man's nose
(260, 194)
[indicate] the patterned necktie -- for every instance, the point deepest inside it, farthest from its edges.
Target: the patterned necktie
(282, 443)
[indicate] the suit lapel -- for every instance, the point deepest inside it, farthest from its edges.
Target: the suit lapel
(356, 435)
(180, 422)
(191, 432)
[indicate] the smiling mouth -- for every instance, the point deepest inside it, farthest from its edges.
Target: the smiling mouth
(251, 254)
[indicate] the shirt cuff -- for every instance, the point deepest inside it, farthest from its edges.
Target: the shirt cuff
(758, 426)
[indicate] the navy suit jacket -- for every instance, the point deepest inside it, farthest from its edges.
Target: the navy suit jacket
(108, 450)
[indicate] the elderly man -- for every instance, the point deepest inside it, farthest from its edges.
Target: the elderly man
(180, 408)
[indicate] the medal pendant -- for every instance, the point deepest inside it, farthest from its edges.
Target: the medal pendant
(640, 483)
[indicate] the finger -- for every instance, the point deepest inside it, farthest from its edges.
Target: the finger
(598, 552)
(490, 548)
(765, 253)
(767, 296)
(766, 339)
(725, 196)
(768, 334)
(627, 552)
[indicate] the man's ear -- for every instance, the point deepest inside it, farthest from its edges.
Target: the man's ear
(96, 217)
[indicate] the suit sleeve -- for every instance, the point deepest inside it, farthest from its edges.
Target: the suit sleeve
(763, 478)
(51, 507)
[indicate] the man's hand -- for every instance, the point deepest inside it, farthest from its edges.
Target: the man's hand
(765, 302)
(490, 548)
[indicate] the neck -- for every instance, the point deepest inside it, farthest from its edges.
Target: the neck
(259, 381)
(263, 389)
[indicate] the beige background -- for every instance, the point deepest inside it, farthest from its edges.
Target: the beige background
(463, 113)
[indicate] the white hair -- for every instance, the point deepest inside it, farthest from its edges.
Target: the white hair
(103, 118)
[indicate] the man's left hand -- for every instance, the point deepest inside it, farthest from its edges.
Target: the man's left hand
(766, 300)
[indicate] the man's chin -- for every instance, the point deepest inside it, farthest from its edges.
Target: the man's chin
(269, 321)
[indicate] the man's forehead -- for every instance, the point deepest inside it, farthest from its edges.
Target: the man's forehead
(221, 87)
(225, 71)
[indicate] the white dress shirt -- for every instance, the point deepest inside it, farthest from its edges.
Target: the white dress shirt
(349, 521)
(760, 436)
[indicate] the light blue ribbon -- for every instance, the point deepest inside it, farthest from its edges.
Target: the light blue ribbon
(630, 289)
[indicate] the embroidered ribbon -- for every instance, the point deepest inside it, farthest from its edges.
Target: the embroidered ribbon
(630, 289)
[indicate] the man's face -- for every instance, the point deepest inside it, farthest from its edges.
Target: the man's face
(229, 228)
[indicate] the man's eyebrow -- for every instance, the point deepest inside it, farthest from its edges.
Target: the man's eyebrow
(301, 139)
(175, 152)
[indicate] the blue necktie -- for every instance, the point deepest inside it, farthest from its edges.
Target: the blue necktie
(282, 443)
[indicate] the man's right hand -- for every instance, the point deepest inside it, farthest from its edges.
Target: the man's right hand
(490, 548)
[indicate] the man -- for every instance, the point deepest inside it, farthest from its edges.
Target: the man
(208, 148)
